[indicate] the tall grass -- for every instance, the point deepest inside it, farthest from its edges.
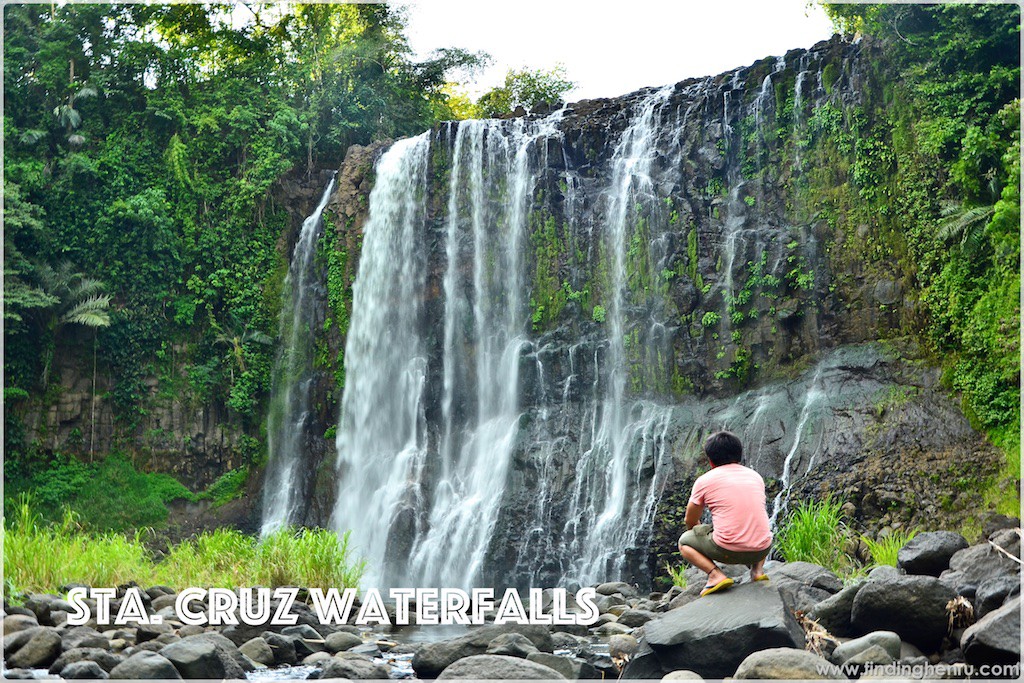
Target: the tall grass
(814, 532)
(677, 574)
(42, 557)
(884, 551)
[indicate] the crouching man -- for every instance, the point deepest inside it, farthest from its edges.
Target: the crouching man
(739, 532)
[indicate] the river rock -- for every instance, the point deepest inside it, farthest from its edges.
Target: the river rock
(83, 636)
(682, 675)
(105, 660)
(146, 632)
(613, 587)
(622, 646)
(19, 622)
(433, 658)
(513, 645)
(353, 667)
(807, 574)
(612, 628)
(971, 566)
(39, 652)
(164, 601)
(194, 657)
(496, 667)
(887, 640)
(258, 651)
(929, 553)
(145, 665)
(572, 668)
(787, 664)
(714, 634)
(282, 646)
(341, 641)
(992, 593)
(17, 640)
(912, 606)
(995, 639)
(834, 612)
(872, 656)
(84, 670)
(636, 617)
(1008, 540)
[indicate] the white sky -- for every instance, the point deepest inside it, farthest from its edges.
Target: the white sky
(610, 49)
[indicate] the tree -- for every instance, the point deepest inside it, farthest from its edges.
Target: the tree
(527, 88)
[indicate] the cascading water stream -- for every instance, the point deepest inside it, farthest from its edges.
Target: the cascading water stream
(290, 403)
(382, 440)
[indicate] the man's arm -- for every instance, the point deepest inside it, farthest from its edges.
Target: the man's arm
(693, 513)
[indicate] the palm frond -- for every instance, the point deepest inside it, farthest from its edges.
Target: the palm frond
(960, 223)
(31, 136)
(85, 92)
(93, 312)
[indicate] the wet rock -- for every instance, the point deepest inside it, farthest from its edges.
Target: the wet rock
(912, 606)
(995, 639)
(834, 613)
(513, 645)
(145, 665)
(492, 667)
(787, 664)
(888, 641)
(929, 553)
(354, 667)
(714, 634)
(84, 670)
(39, 652)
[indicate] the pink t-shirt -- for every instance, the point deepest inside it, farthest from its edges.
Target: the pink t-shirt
(735, 495)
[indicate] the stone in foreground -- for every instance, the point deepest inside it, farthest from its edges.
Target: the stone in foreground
(497, 667)
(145, 666)
(912, 606)
(714, 634)
(783, 663)
(996, 638)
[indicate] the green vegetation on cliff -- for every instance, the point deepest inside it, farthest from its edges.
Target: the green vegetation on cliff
(144, 149)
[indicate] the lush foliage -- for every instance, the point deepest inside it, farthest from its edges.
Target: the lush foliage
(144, 147)
(43, 557)
(527, 88)
(107, 495)
(951, 139)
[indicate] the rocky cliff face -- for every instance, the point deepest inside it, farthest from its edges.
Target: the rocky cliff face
(662, 264)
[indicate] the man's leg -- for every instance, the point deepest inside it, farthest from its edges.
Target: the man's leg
(694, 557)
(757, 571)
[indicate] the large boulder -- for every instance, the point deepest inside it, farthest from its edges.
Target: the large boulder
(785, 663)
(433, 658)
(498, 667)
(929, 553)
(197, 657)
(39, 652)
(258, 651)
(145, 665)
(834, 613)
(714, 634)
(805, 584)
(912, 606)
(995, 639)
(972, 566)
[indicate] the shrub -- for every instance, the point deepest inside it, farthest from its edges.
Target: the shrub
(814, 532)
(884, 550)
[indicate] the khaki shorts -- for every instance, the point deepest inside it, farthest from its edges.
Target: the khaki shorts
(699, 538)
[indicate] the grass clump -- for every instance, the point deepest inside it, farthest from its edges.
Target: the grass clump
(677, 574)
(814, 532)
(884, 550)
(44, 557)
(228, 486)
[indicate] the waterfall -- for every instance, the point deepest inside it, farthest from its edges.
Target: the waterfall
(290, 409)
(382, 439)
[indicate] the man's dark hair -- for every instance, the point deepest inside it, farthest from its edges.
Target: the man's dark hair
(723, 448)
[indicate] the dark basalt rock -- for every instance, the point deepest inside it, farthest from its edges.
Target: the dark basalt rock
(930, 552)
